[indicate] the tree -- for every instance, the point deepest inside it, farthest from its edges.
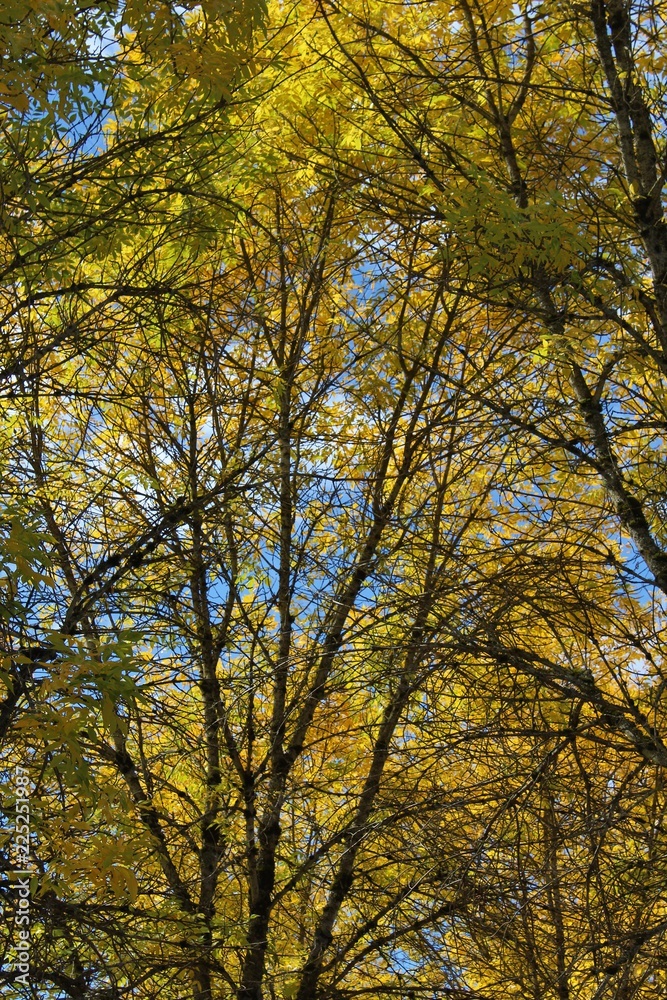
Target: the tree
(333, 549)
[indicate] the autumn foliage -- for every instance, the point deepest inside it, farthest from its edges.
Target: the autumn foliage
(333, 518)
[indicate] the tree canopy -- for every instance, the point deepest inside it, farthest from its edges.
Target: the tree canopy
(333, 520)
